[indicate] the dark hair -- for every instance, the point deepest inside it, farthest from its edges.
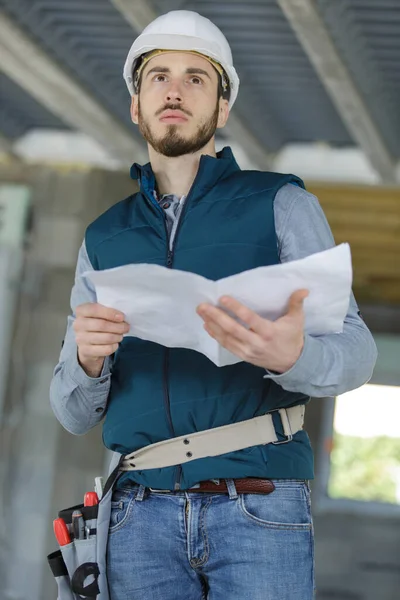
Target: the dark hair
(225, 94)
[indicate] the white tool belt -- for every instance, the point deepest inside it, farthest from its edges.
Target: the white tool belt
(216, 441)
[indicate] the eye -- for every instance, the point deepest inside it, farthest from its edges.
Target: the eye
(157, 77)
(197, 80)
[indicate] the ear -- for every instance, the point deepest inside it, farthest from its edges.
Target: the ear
(223, 113)
(135, 109)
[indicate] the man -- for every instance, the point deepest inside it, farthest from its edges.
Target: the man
(233, 525)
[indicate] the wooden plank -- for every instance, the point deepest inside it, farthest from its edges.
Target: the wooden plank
(375, 199)
(376, 239)
(380, 292)
(368, 218)
(364, 220)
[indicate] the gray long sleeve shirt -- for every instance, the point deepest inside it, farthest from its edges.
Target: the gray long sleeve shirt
(328, 365)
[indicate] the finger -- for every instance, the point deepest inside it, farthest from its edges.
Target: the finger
(232, 344)
(253, 321)
(226, 328)
(97, 339)
(100, 325)
(296, 300)
(218, 318)
(99, 311)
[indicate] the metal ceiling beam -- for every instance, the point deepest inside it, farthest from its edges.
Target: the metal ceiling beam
(316, 41)
(27, 64)
(139, 13)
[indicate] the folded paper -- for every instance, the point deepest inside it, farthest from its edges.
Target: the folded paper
(160, 303)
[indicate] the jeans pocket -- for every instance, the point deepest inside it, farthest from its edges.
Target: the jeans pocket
(287, 507)
(121, 504)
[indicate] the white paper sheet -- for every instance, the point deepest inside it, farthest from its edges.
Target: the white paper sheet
(160, 303)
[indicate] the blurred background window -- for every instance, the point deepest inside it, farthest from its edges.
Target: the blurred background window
(361, 443)
(365, 456)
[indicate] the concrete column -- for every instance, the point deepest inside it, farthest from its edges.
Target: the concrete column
(46, 468)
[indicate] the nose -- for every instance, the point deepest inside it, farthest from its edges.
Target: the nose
(174, 93)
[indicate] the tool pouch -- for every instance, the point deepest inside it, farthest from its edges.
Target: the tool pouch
(79, 567)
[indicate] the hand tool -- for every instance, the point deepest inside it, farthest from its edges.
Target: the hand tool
(61, 532)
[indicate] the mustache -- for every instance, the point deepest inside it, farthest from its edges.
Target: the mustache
(173, 107)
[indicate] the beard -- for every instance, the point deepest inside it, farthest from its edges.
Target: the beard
(172, 143)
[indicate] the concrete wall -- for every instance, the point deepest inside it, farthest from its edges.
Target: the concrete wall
(357, 555)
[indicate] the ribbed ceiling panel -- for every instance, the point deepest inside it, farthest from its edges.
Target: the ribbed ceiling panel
(367, 34)
(19, 112)
(281, 99)
(88, 38)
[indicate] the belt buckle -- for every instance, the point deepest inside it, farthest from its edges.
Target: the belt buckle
(160, 491)
(288, 438)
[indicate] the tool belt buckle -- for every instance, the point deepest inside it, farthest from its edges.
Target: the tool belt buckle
(285, 420)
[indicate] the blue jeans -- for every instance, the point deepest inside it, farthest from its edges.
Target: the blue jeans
(197, 546)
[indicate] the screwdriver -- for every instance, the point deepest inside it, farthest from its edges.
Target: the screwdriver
(61, 532)
(78, 525)
(98, 486)
(91, 499)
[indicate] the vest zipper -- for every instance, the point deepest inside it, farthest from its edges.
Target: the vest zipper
(166, 390)
(170, 258)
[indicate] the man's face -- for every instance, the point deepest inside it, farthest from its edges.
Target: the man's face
(178, 109)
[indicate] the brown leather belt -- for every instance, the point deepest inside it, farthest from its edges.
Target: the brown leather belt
(249, 485)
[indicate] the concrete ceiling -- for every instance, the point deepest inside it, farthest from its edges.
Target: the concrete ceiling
(311, 71)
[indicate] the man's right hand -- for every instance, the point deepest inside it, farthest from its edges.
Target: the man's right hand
(98, 333)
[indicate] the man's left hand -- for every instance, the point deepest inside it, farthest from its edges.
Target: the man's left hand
(273, 345)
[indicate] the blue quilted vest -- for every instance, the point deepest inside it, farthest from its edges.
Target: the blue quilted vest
(226, 226)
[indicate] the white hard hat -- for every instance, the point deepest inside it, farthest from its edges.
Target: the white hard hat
(183, 30)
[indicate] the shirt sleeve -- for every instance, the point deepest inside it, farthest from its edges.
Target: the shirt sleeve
(78, 401)
(329, 364)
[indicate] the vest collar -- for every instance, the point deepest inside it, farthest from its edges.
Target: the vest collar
(214, 169)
